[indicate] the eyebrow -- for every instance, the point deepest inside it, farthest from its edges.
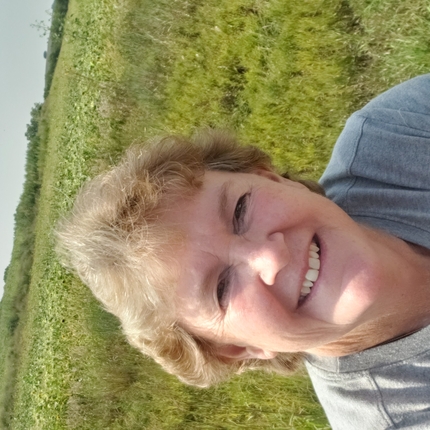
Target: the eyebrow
(222, 197)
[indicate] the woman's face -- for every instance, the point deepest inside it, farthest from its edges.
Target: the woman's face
(251, 242)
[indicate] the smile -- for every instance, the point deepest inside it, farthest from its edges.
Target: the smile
(313, 271)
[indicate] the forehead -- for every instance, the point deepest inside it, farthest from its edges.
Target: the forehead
(213, 188)
(188, 214)
(209, 208)
(201, 222)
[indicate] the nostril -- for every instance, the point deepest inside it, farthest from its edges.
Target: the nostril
(275, 257)
(269, 269)
(266, 258)
(268, 279)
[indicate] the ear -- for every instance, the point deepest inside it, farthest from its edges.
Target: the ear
(236, 352)
(278, 178)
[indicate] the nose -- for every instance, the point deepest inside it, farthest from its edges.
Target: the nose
(263, 258)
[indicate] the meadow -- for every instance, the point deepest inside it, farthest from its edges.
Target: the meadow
(284, 75)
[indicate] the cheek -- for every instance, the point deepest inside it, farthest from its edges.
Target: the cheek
(358, 298)
(256, 314)
(286, 211)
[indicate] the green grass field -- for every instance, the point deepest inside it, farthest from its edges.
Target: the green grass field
(281, 74)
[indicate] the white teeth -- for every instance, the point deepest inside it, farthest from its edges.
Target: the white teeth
(314, 263)
(305, 290)
(313, 271)
(312, 275)
(314, 247)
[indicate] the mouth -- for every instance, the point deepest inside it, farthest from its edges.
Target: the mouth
(312, 273)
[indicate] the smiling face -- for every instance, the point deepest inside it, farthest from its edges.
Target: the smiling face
(252, 243)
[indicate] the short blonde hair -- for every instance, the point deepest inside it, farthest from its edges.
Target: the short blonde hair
(114, 242)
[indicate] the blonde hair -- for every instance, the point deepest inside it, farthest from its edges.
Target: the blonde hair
(116, 245)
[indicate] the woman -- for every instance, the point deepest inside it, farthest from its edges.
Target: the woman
(216, 264)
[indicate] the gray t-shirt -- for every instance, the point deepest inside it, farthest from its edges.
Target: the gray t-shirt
(379, 174)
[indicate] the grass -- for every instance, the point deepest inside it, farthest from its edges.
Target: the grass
(59, 11)
(284, 75)
(17, 275)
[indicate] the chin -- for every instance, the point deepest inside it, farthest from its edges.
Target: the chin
(346, 345)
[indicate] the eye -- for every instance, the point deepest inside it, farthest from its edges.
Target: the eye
(223, 289)
(240, 212)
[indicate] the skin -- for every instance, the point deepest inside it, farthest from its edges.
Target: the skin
(246, 246)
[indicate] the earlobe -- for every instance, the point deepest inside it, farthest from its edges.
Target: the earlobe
(262, 354)
(236, 352)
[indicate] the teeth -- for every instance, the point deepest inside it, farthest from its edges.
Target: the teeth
(314, 247)
(314, 263)
(313, 271)
(312, 275)
(305, 290)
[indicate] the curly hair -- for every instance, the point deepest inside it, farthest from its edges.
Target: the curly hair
(114, 242)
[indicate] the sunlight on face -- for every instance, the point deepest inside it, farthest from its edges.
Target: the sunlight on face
(249, 239)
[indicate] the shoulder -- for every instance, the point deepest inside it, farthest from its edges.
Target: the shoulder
(389, 133)
(380, 388)
(410, 96)
(379, 170)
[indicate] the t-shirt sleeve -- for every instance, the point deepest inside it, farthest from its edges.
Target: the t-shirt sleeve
(410, 96)
(379, 172)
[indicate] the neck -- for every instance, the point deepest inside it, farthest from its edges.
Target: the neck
(407, 300)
